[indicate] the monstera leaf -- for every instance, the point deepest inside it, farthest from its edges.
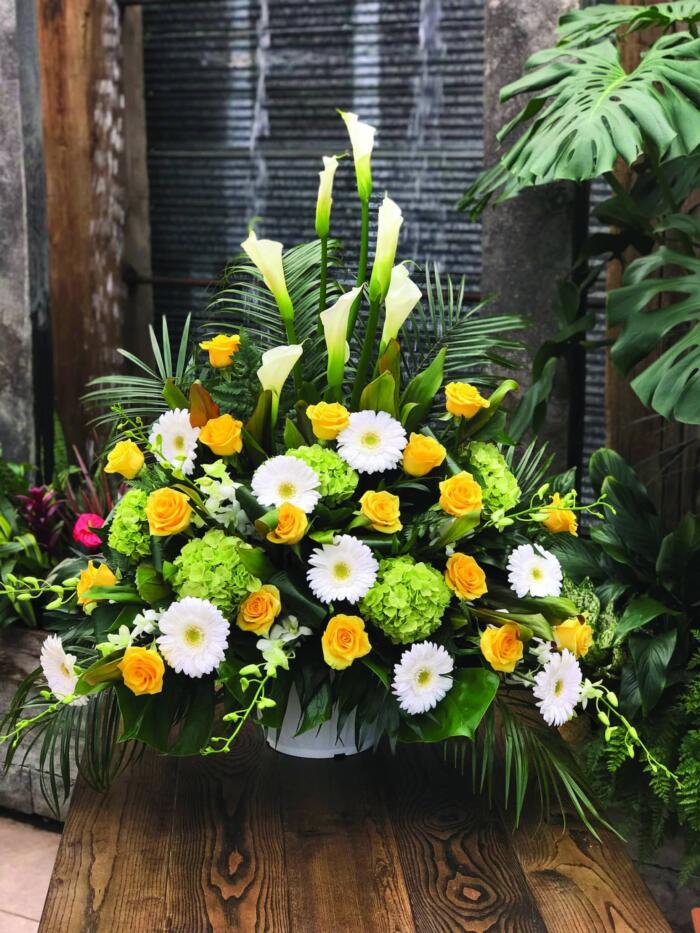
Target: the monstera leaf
(593, 111)
(671, 384)
(584, 27)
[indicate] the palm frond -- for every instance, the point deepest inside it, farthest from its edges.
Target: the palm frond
(140, 396)
(245, 303)
(473, 339)
(530, 467)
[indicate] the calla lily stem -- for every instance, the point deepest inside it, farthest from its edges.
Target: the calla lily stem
(366, 353)
(361, 265)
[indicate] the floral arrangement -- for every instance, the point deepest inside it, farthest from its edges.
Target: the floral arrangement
(317, 501)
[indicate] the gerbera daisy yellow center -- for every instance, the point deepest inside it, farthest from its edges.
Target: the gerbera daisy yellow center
(65, 671)
(558, 687)
(179, 442)
(536, 573)
(341, 571)
(424, 677)
(287, 490)
(370, 439)
(193, 635)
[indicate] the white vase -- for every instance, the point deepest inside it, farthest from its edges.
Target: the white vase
(321, 742)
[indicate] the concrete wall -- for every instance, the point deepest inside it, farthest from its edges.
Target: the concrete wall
(23, 263)
(528, 241)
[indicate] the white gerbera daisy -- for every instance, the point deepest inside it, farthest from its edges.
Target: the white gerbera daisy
(286, 479)
(345, 569)
(421, 678)
(372, 442)
(558, 688)
(174, 440)
(193, 636)
(59, 669)
(532, 571)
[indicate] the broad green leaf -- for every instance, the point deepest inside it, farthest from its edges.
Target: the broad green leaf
(459, 713)
(671, 383)
(151, 585)
(292, 436)
(651, 658)
(637, 613)
(592, 112)
(380, 395)
(583, 27)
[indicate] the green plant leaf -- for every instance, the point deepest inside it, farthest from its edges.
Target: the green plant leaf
(638, 612)
(671, 383)
(380, 395)
(151, 585)
(651, 658)
(589, 25)
(459, 713)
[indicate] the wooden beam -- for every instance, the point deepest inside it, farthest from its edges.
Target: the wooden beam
(80, 69)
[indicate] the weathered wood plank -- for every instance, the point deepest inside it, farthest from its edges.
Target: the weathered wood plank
(582, 885)
(255, 841)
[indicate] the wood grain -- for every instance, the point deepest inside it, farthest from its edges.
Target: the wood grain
(256, 841)
(584, 884)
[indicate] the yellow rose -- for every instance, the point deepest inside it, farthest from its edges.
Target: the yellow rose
(343, 641)
(463, 399)
(142, 670)
(422, 454)
(291, 525)
(99, 575)
(465, 577)
(460, 494)
(559, 519)
(222, 349)
(125, 458)
(328, 419)
(259, 610)
(382, 510)
(501, 646)
(575, 635)
(168, 512)
(222, 435)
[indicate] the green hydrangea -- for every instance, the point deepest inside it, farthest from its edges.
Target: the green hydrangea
(128, 531)
(211, 568)
(499, 487)
(407, 601)
(338, 480)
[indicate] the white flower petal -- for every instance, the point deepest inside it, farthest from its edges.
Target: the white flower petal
(558, 688)
(174, 440)
(344, 570)
(286, 479)
(59, 669)
(532, 571)
(421, 678)
(372, 442)
(194, 635)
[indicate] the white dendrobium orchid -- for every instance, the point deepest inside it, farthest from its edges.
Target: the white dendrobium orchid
(389, 220)
(277, 364)
(362, 141)
(532, 571)
(267, 256)
(401, 299)
(59, 670)
(335, 329)
(558, 688)
(422, 677)
(324, 201)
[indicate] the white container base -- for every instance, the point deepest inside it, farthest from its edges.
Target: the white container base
(321, 742)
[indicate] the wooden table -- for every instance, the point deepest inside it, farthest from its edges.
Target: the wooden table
(256, 841)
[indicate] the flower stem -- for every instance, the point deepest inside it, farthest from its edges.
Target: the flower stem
(292, 339)
(322, 283)
(366, 354)
(361, 266)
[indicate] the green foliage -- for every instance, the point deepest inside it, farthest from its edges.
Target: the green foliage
(236, 389)
(459, 714)
(584, 113)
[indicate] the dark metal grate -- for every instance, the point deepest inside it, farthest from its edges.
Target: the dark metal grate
(241, 98)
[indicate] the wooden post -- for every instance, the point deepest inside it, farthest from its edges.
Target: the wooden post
(666, 453)
(80, 59)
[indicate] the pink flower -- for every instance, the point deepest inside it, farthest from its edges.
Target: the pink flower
(83, 529)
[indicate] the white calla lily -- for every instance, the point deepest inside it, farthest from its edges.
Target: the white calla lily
(362, 141)
(401, 299)
(389, 222)
(324, 202)
(335, 330)
(277, 364)
(267, 256)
